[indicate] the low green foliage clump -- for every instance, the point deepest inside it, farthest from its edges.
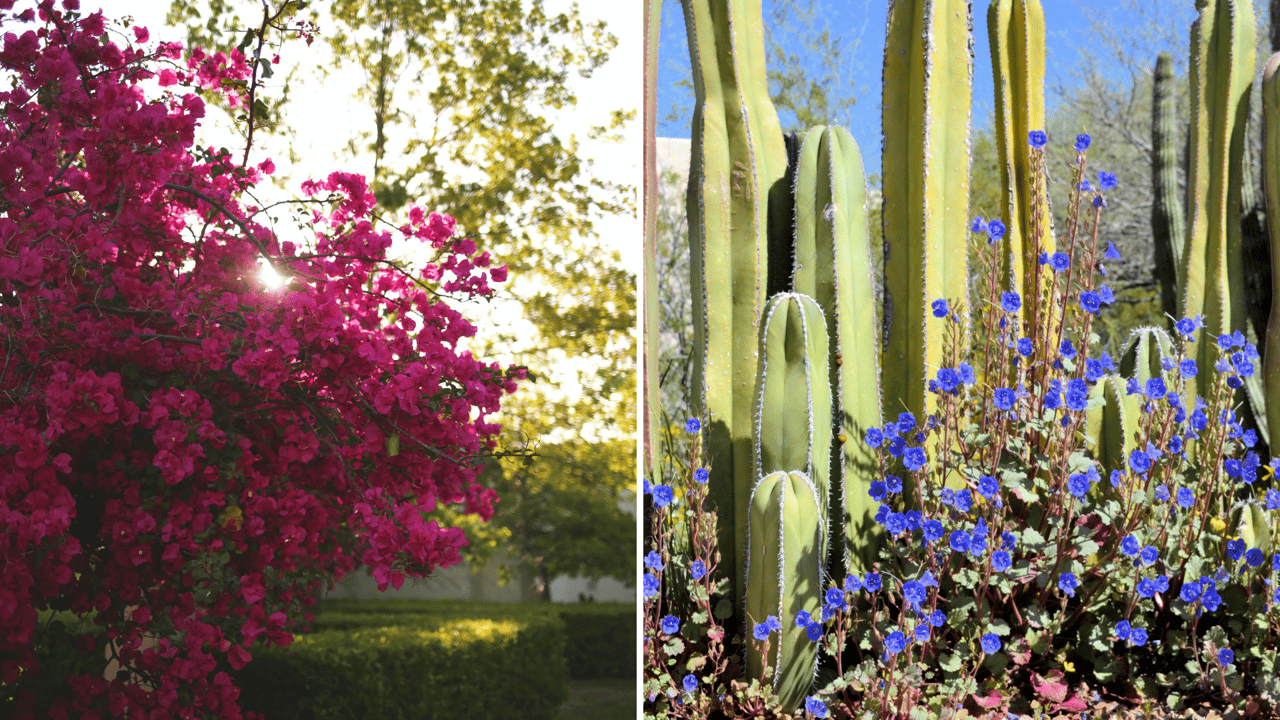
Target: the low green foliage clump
(599, 636)
(456, 669)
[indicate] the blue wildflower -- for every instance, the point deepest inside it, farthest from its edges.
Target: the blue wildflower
(1253, 557)
(1150, 555)
(937, 618)
(1090, 302)
(1123, 629)
(650, 585)
(698, 569)
(815, 707)
(877, 490)
(895, 643)
(1191, 592)
(990, 643)
(914, 593)
(965, 371)
(1000, 561)
(1067, 583)
(1226, 656)
(1037, 138)
(693, 425)
(1059, 261)
(1004, 398)
(987, 486)
(701, 476)
(960, 541)
(948, 380)
(1077, 394)
(995, 229)
(979, 225)
(1010, 301)
(915, 459)
(1146, 588)
(1025, 347)
(964, 500)
(1082, 142)
(1138, 637)
(1139, 461)
(1235, 549)
(690, 683)
(1129, 546)
(1112, 253)
(940, 308)
(933, 530)
(671, 624)
(871, 582)
(1078, 485)
(653, 560)
(663, 495)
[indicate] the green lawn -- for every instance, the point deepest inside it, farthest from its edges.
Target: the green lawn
(599, 700)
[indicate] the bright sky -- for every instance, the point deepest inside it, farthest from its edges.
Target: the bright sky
(325, 115)
(862, 22)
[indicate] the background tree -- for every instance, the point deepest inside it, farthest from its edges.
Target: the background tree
(461, 97)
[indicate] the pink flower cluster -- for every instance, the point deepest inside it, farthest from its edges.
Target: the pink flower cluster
(184, 452)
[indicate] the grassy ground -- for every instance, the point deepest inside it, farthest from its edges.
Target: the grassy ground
(599, 700)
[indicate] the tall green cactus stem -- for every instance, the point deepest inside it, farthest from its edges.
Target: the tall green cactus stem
(1141, 359)
(649, 296)
(1111, 423)
(1016, 32)
(738, 158)
(1211, 276)
(784, 577)
(1271, 187)
(928, 80)
(833, 265)
(794, 411)
(1168, 224)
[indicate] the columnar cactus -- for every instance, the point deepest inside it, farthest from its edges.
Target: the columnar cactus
(1210, 280)
(928, 81)
(1016, 31)
(1271, 187)
(785, 578)
(1168, 226)
(649, 286)
(738, 158)
(833, 265)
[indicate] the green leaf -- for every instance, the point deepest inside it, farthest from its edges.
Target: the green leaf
(393, 444)
(723, 609)
(951, 662)
(1037, 617)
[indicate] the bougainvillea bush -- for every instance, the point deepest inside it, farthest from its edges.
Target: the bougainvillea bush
(185, 454)
(1027, 568)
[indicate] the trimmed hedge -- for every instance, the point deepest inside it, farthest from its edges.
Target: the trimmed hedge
(600, 637)
(452, 669)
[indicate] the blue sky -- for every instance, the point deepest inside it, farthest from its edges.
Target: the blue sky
(863, 22)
